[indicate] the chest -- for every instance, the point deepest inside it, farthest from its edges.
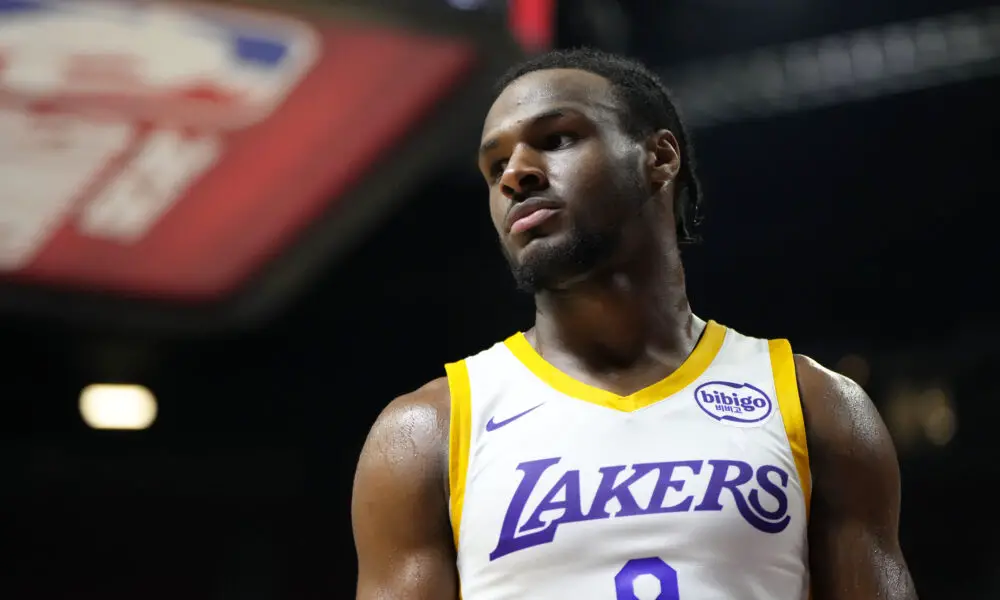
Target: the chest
(579, 483)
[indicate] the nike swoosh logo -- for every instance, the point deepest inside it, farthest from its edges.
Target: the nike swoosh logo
(492, 425)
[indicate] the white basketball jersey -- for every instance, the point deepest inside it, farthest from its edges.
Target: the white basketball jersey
(695, 488)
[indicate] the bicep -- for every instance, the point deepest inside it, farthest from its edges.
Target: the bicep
(854, 522)
(399, 510)
(854, 542)
(851, 560)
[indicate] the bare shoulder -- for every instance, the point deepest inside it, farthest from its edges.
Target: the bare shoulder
(420, 416)
(399, 508)
(413, 428)
(854, 549)
(839, 414)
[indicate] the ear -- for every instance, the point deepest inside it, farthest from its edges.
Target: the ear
(663, 158)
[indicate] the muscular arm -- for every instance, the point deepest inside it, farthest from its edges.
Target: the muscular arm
(400, 506)
(854, 523)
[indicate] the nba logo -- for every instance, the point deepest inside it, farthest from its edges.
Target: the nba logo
(191, 65)
(84, 83)
(171, 149)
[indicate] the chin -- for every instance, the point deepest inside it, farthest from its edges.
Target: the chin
(549, 259)
(544, 263)
(545, 241)
(540, 252)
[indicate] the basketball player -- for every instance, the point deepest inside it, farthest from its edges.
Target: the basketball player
(623, 447)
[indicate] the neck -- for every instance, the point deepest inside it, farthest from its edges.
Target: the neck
(621, 316)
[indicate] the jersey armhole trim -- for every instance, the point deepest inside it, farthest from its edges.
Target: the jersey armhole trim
(459, 439)
(790, 405)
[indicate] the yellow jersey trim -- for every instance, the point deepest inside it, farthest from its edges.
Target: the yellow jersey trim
(696, 364)
(459, 432)
(790, 405)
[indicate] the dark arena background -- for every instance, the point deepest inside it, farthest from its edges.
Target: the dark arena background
(221, 264)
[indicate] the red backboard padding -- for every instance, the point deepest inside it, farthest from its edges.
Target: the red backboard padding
(248, 187)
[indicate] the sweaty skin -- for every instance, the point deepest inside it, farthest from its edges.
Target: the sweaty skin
(620, 328)
(400, 507)
(854, 524)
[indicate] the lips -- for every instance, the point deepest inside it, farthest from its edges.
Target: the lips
(531, 213)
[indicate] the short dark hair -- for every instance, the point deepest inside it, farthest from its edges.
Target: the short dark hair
(648, 108)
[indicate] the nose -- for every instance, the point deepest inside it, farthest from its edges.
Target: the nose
(523, 176)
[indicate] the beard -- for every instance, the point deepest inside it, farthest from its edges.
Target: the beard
(585, 246)
(553, 264)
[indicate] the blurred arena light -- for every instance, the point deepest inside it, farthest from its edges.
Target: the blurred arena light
(916, 415)
(861, 64)
(467, 4)
(118, 406)
(939, 422)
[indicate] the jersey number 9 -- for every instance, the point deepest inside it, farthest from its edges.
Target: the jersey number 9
(651, 569)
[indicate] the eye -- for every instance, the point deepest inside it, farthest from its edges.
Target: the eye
(557, 141)
(497, 168)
